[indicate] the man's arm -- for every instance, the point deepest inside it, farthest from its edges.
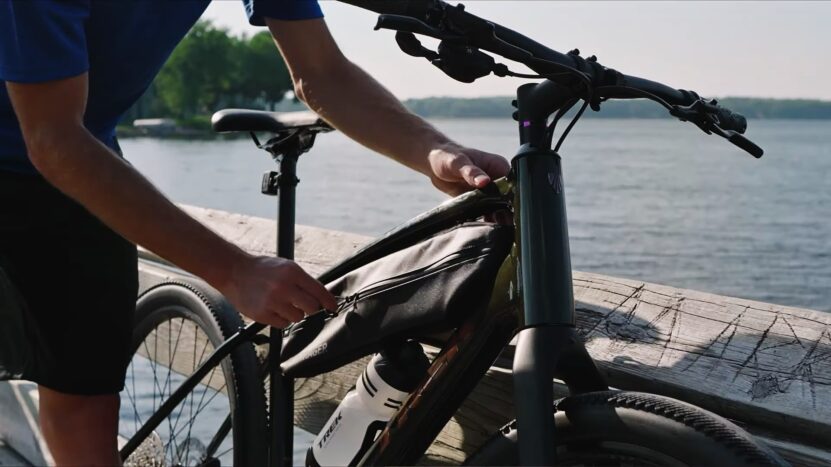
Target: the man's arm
(268, 290)
(353, 102)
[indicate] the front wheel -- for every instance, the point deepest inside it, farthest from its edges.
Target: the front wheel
(618, 428)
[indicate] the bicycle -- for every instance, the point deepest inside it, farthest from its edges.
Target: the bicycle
(531, 294)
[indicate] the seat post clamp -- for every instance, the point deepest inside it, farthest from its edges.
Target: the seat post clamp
(284, 180)
(273, 181)
(270, 185)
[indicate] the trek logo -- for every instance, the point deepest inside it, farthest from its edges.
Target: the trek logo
(331, 430)
(556, 182)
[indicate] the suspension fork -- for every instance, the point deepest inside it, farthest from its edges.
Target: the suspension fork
(548, 344)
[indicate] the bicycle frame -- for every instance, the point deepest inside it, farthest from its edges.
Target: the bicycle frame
(532, 299)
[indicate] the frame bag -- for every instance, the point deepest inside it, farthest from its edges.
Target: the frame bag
(421, 290)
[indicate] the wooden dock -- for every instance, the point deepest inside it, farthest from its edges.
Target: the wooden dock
(766, 367)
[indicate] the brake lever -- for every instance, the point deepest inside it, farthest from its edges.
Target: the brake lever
(702, 114)
(739, 140)
(410, 45)
(484, 36)
(461, 63)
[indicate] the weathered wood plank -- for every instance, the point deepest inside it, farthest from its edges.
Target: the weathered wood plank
(316, 249)
(766, 365)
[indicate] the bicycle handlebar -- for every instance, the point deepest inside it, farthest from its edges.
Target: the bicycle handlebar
(453, 25)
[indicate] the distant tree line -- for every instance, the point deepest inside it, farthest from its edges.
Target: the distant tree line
(500, 107)
(211, 69)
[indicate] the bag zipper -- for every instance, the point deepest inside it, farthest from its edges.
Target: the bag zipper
(465, 255)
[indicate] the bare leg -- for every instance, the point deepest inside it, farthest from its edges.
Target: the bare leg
(80, 430)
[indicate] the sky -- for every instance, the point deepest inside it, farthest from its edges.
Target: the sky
(720, 48)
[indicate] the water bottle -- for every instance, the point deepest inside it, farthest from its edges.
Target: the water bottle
(379, 392)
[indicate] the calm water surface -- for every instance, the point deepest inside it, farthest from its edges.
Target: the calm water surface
(654, 200)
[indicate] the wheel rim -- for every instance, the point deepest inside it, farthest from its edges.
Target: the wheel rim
(172, 348)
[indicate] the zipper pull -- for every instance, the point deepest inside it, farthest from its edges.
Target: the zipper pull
(347, 302)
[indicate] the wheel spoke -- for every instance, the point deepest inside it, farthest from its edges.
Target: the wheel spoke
(153, 369)
(132, 398)
(219, 456)
(190, 395)
(200, 409)
(171, 356)
(219, 437)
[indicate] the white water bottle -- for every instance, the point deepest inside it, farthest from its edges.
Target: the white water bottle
(379, 392)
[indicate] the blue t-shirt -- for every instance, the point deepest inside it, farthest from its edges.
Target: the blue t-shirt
(121, 43)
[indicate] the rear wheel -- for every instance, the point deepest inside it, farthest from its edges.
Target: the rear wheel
(177, 327)
(612, 428)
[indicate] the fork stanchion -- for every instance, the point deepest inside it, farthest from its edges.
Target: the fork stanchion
(281, 389)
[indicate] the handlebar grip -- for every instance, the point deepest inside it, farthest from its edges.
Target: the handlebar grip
(730, 120)
(746, 144)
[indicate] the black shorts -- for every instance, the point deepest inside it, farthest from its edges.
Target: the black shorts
(68, 288)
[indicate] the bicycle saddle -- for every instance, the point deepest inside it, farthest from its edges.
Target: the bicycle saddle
(229, 120)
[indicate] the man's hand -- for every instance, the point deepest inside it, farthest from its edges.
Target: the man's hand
(357, 105)
(276, 291)
(456, 169)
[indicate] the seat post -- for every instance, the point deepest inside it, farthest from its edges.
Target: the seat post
(281, 394)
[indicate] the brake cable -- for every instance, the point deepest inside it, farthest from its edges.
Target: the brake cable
(571, 124)
(502, 71)
(549, 132)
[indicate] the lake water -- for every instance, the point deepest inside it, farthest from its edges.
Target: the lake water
(654, 200)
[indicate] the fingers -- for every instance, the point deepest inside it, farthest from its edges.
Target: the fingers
(304, 302)
(288, 312)
(495, 166)
(277, 321)
(479, 178)
(475, 168)
(277, 292)
(316, 291)
(461, 166)
(300, 295)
